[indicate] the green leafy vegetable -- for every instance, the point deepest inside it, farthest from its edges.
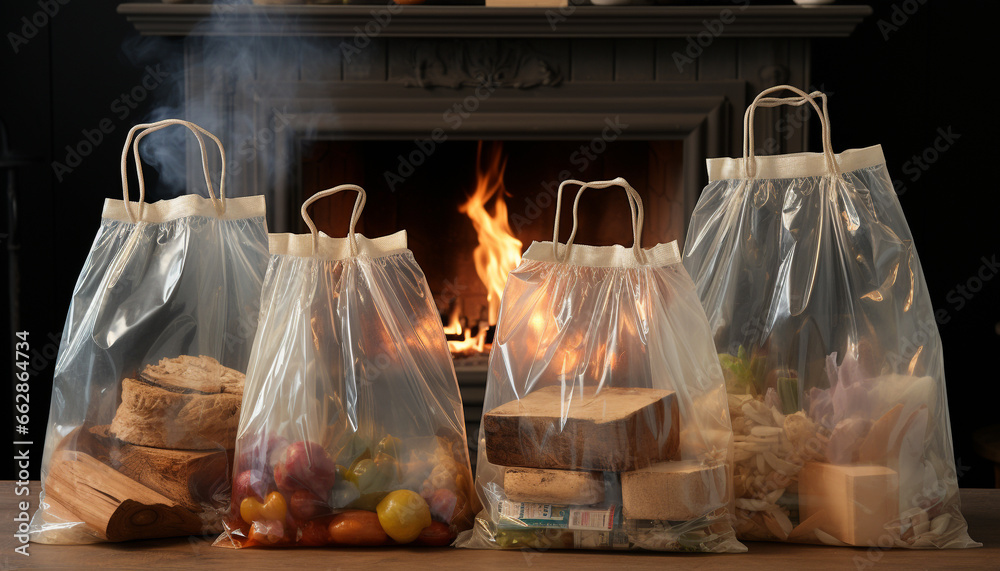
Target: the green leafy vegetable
(744, 373)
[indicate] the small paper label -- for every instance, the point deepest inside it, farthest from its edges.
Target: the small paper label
(515, 515)
(588, 519)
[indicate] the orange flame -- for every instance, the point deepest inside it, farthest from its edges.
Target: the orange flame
(469, 344)
(498, 251)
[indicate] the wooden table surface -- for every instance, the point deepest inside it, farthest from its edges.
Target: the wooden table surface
(981, 508)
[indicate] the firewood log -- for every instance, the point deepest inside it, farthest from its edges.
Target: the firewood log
(115, 506)
(193, 478)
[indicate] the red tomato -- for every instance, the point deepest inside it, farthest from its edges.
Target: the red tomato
(442, 503)
(437, 534)
(305, 505)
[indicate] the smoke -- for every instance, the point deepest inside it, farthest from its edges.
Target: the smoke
(231, 85)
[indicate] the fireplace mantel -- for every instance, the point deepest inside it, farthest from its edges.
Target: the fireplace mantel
(479, 21)
(668, 72)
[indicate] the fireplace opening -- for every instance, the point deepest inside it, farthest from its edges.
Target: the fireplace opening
(471, 208)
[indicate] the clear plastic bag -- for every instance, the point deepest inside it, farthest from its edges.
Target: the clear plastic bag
(147, 383)
(819, 310)
(606, 424)
(352, 432)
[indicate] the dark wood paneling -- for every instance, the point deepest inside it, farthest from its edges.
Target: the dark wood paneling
(592, 60)
(635, 60)
(719, 60)
(367, 65)
(321, 60)
(673, 60)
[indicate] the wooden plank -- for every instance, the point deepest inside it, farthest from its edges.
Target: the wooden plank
(980, 507)
(615, 429)
(159, 18)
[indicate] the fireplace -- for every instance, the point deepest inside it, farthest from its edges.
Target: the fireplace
(428, 104)
(451, 203)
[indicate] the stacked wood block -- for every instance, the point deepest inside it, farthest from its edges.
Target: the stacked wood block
(673, 491)
(564, 487)
(615, 429)
(162, 465)
(852, 503)
(556, 449)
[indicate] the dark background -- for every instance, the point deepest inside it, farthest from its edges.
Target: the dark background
(933, 71)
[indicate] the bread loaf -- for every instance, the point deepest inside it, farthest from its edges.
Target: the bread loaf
(169, 408)
(614, 429)
(187, 373)
(673, 491)
(562, 487)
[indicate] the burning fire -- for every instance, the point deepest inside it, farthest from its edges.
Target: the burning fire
(498, 251)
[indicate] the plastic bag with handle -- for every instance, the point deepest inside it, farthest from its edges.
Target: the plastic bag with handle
(149, 377)
(352, 431)
(605, 423)
(819, 309)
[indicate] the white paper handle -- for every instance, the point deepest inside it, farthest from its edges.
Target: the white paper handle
(144, 129)
(749, 164)
(635, 205)
(359, 205)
